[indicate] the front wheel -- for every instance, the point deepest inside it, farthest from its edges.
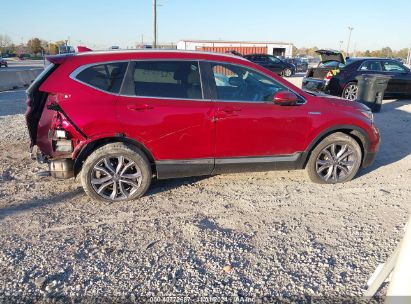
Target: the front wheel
(287, 72)
(350, 91)
(116, 172)
(336, 159)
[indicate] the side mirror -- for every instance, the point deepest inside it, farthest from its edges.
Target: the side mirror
(285, 98)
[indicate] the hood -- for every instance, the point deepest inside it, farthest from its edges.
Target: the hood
(331, 55)
(345, 103)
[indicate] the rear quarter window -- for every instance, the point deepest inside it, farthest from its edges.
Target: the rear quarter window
(107, 77)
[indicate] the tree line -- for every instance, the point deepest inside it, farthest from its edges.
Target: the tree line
(34, 46)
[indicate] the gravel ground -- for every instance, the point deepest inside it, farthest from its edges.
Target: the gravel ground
(248, 235)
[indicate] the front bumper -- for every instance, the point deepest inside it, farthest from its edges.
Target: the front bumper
(315, 85)
(371, 153)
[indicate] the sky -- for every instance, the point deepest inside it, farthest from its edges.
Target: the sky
(100, 24)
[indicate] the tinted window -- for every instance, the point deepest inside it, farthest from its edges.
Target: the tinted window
(107, 77)
(274, 59)
(331, 64)
(241, 84)
(371, 65)
(173, 79)
(392, 66)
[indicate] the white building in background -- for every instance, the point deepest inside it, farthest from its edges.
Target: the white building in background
(284, 49)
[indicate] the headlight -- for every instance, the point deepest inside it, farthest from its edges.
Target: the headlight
(368, 114)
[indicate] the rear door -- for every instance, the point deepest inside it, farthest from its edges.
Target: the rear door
(162, 105)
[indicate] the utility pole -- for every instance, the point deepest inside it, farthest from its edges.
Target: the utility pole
(341, 45)
(154, 23)
(350, 28)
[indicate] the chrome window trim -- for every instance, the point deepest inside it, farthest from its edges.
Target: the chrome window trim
(73, 75)
(79, 69)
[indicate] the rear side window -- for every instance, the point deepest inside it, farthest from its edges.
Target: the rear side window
(172, 79)
(371, 65)
(107, 77)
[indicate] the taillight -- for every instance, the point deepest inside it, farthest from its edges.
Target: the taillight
(329, 75)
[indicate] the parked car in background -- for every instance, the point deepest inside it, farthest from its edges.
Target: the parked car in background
(3, 62)
(342, 80)
(316, 78)
(119, 118)
(344, 83)
(300, 64)
(273, 63)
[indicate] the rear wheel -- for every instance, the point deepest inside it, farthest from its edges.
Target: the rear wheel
(350, 91)
(116, 172)
(287, 72)
(336, 159)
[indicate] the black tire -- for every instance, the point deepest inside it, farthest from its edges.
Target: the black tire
(348, 91)
(322, 163)
(103, 160)
(287, 72)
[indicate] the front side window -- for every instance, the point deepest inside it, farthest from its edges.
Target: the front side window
(391, 66)
(171, 79)
(371, 65)
(107, 77)
(238, 83)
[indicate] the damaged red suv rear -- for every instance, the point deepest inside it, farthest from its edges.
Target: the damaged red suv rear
(118, 119)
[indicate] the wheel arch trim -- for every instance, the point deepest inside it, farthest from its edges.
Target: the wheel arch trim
(358, 133)
(91, 146)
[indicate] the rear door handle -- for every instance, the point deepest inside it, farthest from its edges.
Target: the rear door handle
(230, 110)
(139, 107)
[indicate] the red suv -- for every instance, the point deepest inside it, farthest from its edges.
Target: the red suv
(120, 118)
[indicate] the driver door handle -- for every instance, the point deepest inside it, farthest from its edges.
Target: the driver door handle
(139, 107)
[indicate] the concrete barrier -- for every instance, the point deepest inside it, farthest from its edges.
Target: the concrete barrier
(17, 79)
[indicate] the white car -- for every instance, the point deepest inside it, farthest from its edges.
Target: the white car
(3, 62)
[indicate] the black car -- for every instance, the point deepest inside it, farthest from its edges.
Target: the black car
(344, 83)
(273, 64)
(300, 65)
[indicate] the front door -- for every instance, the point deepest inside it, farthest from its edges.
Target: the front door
(399, 84)
(250, 128)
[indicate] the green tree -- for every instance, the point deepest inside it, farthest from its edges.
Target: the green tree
(34, 46)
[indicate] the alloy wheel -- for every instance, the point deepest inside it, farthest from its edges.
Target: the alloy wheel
(350, 92)
(335, 162)
(288, 72)
(115, 177)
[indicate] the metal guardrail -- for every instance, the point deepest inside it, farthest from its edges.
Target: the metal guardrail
(398, 266)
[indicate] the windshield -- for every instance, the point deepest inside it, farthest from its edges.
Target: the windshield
(331, 64)
(274, 59)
